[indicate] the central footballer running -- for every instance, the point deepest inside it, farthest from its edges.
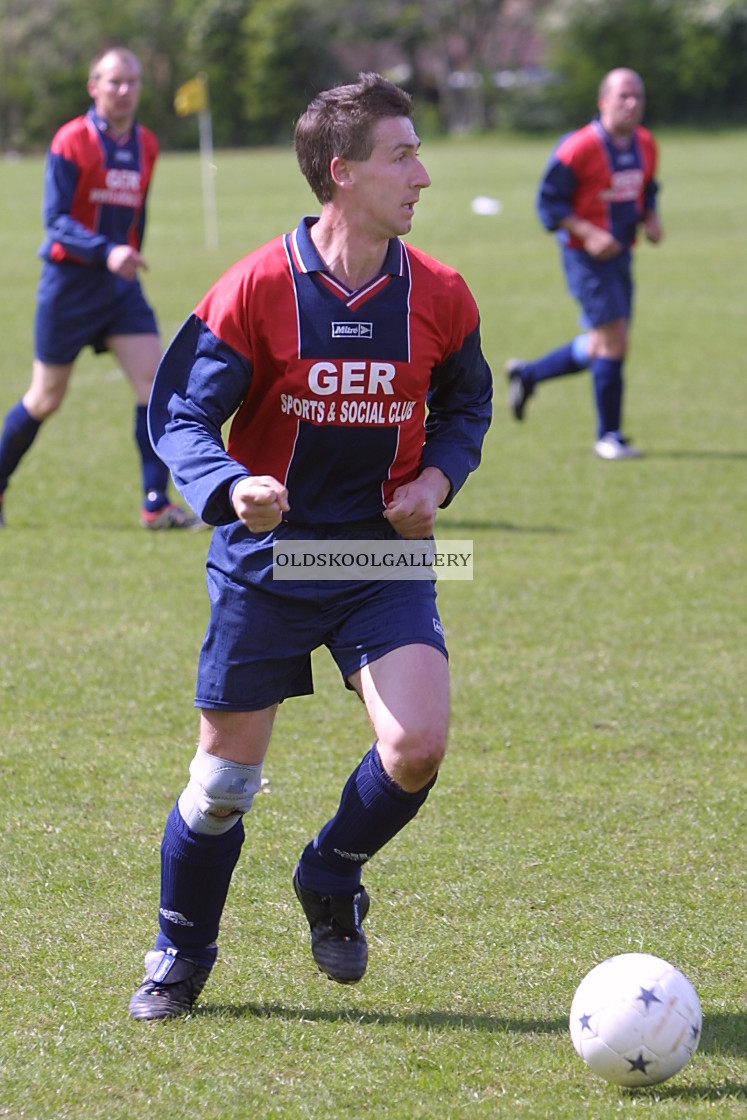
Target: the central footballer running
(352, 366)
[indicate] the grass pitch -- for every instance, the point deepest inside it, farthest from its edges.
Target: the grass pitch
(593, 798)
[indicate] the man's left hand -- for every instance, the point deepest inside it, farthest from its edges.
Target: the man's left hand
(412, 510)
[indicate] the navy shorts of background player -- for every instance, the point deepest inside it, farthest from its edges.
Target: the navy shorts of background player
(78, 307)
(344, 396)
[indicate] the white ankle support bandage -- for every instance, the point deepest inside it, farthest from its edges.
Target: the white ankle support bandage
(218, 793)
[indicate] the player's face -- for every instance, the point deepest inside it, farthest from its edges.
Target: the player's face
(621, 104)
(115, 90)
(388, 184)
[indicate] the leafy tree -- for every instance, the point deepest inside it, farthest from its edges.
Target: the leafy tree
(265, 58)
(447, 49)
(712, 67)
(27, 70)
(216, 47)
(288, 59)
(690, 55)
(590, 38)
(46, 50)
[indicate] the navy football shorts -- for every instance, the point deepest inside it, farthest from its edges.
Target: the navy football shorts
(78, 306)
(603, 288)
(258, 644)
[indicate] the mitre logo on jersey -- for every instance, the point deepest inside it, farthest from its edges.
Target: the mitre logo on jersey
(352, 330)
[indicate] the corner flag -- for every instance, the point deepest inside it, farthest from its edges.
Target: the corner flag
(191, 97)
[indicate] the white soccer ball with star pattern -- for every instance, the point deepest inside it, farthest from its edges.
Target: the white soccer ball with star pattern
(635, 1019)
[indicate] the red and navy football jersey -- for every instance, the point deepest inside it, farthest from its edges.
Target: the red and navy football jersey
(341, 395)
(591, 175)
(95, 189)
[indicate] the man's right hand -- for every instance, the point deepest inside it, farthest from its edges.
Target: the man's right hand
(124, 261)
(598, 243)
(260, 502)
(601, 245)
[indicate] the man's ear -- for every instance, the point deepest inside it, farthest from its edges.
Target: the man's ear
(340, 171)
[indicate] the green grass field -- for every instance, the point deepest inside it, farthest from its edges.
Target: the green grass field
(593, 800)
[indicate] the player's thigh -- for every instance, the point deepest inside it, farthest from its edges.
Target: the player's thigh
(406, 693)
(238, 736)
(47, 389)
(610, 340)
(603, 288)
(138, 355)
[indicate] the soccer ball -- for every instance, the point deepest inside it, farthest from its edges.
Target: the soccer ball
(635, 1019)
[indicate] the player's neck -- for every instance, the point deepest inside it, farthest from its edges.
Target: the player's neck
(120, 127)
(352, 259)
(621, 137)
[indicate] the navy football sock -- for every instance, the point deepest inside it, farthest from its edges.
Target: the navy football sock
(557, 363)
(196, 873)
(608, 392)
(19, 432)
(155, 473)
(373, 809)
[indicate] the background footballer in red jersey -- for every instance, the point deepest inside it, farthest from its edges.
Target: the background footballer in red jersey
(598, 189)
(96, 179)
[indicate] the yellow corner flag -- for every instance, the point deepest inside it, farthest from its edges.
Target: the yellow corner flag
(191, 97)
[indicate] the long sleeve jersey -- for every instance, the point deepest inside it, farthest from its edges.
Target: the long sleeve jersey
(95, 189)
(341, 395)
(591, 175)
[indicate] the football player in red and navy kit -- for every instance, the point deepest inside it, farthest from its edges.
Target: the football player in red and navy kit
(598, 188)
(97, 174)
(352, 367)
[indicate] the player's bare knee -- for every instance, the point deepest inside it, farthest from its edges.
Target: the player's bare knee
(429, 739)
(218, 793)
(414, 761)
(43, 405)
(418, 772)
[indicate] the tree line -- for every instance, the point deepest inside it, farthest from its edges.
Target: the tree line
(472, 64)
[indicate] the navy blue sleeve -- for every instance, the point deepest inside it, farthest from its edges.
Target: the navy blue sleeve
(60, 180)
(199, 385)
(554, 194)
(459, 413)
(649, 195)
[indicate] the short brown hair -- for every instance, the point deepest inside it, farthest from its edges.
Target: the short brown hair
(340, 121)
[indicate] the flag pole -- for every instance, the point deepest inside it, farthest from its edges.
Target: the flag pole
(192, 97)
(205, 125)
